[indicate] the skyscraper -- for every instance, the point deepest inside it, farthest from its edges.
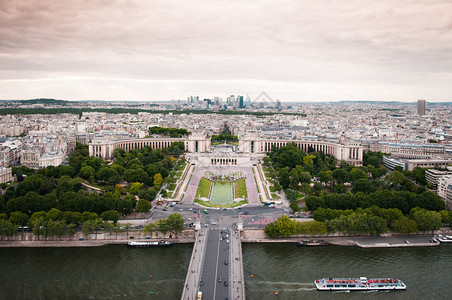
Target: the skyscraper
(421, 107)
(248, 101)
(241, 104)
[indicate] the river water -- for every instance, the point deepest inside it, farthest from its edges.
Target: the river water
(116, 272)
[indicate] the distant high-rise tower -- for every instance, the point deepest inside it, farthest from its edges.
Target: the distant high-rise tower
(248, 101)
(421, 107)
(240, 103)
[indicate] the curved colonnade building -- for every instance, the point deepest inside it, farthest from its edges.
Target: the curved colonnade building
(351, 153)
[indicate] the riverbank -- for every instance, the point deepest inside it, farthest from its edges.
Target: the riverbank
(386, 241)
(84, 243)
(247, 236)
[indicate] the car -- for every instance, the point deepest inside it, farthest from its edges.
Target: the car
(208, 217)
(190, 209)
(227, 241)
(218, 208)
(226, 262)
(225, 208)
(206, 212)
(201, 283)
(165, 209)
(239, 213)
(148, 238)
(246, 213)
(188, 219)
(226, 283)
(206, 225)
(181, 209)
(214, 223)
(81, 239)
(407, 242)
(219, 279)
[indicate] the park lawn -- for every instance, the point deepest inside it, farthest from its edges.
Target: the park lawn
(180, 165)
(266, 169)
(240, 189)
(203, 188)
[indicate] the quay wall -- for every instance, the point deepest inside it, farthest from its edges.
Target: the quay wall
(249, 235)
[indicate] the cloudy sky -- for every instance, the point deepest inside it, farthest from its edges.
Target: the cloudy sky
(295, 50)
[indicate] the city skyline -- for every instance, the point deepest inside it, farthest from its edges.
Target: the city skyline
(297, 51)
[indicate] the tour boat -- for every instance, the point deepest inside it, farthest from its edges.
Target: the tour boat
(148, 244)
(307, 242)
(359, 284)
(443, 238)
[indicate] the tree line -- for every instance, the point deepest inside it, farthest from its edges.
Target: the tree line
(56, 223)
(372, 220)
(135, 173)
(224, 137)
(171, 132)
(332, 186)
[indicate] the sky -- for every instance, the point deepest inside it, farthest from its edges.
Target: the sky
(294, 50)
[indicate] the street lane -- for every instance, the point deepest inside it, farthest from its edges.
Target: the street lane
(209, 272)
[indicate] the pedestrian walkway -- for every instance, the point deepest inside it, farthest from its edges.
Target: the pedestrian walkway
(193, 278)
(238, 283)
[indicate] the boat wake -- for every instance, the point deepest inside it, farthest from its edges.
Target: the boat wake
(304, 284)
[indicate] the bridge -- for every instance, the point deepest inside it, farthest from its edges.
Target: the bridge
(215, 267)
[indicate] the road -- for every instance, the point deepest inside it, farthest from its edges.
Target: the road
(216, 253)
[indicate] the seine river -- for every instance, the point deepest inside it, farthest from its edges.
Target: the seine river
(116, 272)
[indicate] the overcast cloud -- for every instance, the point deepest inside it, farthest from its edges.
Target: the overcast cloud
(322, 50)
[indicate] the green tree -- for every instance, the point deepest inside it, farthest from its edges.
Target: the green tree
(356, 174)
(54, 214)
(158, 179)
(282, 227)
(363, 185)
(379, 172)
(294, 206)
(110, 215)
(340, 176)
(176, 222)
(425, 219)
(311, 228)
(284, 177)
(446, 216)
(18, 218)
(395, 178)
(135, 188)
(143, 206)
(162, 226)
(325, 176)
(149, 228)
(404, 225)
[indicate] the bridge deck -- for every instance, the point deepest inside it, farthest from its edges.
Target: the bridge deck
(216, 266)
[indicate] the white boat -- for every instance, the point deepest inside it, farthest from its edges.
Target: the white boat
(359, 284)
(148, 244)
(443, 238)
